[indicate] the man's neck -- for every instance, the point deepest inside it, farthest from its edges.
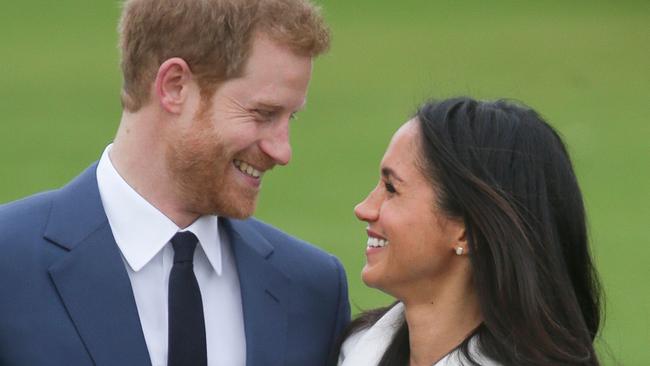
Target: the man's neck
(138, 155)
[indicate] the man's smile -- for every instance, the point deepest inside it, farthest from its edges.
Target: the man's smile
(248, 169)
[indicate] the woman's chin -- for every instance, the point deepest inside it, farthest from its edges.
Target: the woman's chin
(367, 276)
(371, 276)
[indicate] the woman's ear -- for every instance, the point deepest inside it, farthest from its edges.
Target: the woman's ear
(460, 246)
(173, 83)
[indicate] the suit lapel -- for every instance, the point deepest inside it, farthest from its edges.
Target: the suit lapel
(91, 278)
(265, 295)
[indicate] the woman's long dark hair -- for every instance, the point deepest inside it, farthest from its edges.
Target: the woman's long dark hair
(504, 171)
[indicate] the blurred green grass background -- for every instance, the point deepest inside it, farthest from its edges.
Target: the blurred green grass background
(585, 65)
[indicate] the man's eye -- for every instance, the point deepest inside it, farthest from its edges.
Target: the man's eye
(264, 114)
(390, 188)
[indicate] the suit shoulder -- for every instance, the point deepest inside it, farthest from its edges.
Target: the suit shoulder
(24, 215)
(299, 259)
(320, 274)
(289, 244)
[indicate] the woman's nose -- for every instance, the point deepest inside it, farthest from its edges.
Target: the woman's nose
(367, 210)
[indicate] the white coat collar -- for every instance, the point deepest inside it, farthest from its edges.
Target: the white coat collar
(367, 347)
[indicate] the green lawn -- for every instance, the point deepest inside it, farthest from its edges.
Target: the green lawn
(585, 65)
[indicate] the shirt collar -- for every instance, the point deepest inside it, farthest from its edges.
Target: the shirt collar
(140, 229)
(206, 229)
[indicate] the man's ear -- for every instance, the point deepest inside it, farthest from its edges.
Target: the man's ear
(173, 83)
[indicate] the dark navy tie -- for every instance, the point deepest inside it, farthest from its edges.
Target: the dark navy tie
(186, 324)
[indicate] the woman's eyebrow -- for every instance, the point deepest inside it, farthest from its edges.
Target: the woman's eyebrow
(387, 172)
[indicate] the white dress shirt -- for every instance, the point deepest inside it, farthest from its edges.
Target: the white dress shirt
(142, 234)
(367, 347)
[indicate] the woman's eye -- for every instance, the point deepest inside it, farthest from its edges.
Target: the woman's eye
(390, 188)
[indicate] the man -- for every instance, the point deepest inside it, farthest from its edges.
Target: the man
(148, 258)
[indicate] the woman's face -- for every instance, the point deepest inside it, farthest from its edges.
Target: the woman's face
(411, 244)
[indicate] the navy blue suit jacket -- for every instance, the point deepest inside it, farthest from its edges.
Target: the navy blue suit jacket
(66, 298)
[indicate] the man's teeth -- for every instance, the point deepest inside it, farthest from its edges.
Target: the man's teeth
(376, 242)
(247, 169)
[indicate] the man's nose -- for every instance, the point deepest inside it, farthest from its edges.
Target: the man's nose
(276, 144)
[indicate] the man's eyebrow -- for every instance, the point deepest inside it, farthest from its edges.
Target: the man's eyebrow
(387, 172)
(277, 107)
(266, 105)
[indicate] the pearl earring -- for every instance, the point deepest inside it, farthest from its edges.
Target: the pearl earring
(459, 250)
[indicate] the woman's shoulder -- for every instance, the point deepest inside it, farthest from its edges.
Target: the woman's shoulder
(458, 358)
(350, 343)
(367, 345)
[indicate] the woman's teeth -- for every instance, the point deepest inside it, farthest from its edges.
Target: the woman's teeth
(247, 169)
(376, 242)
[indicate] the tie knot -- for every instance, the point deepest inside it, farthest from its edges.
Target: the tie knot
(184, 244)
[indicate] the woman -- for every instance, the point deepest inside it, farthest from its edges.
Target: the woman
(477, 228)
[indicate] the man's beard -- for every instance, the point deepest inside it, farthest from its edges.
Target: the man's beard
(200, 167)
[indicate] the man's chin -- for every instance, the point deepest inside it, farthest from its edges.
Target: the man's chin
(239, 215)
(240, 212)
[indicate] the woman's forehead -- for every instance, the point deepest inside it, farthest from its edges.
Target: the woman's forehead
(401, 154)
